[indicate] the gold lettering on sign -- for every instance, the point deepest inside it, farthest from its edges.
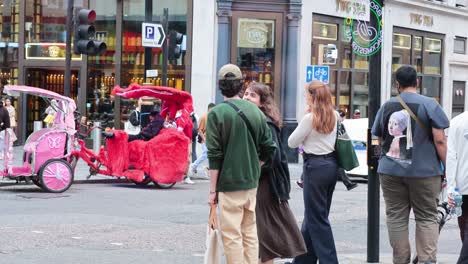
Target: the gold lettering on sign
(422, 20)
(350, 6)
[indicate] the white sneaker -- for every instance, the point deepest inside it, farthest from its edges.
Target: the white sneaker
(188, 181)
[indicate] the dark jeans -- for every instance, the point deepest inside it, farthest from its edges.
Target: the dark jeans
(320, 176)
(194, 150)
(462, 224)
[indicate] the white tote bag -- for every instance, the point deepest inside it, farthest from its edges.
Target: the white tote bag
(214, 245)
(131, 129)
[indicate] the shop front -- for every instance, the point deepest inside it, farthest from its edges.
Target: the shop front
(262, 38)
(42, 61)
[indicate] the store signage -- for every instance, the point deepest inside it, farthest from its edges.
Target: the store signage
(316, 72)
(421, 20)
(153, 35)
(47, 51)
(255, 33)
(365, 39)
(151, 73)
(356, 9)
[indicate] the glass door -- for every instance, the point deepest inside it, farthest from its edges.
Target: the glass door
(256, 47)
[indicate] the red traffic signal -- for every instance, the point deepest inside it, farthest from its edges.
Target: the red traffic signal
(85, 32)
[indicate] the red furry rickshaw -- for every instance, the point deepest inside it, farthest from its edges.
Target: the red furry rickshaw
(163, 159)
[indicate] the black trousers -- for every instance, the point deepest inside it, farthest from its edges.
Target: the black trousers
(320, 176)
(194, 150)
(463, 225)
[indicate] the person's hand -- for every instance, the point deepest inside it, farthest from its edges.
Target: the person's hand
(450, 201)
(213, 198)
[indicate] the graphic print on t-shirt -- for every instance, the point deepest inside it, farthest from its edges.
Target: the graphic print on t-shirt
(398, 133)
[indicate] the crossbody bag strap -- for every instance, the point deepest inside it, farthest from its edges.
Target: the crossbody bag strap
(411, 113)
(246, 120)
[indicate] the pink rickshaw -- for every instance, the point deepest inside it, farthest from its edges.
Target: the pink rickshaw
(47, 152)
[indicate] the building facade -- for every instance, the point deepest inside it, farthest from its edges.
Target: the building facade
(273, 41)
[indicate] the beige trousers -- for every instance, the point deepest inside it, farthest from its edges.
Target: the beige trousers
(401, 194)
(238, 226)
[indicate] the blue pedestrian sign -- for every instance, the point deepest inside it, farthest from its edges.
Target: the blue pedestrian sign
(315, 72)
(153, 35)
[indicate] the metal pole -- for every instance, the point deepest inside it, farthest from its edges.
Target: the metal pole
(373, 194)
(97, 138)
(148, 18)
(67, 79)
(165, 24)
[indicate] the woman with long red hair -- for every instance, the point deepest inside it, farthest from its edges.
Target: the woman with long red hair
(317, 133)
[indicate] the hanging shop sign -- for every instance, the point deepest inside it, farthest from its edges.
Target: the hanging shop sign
(255, 33)
(366, 40)
(47, 51)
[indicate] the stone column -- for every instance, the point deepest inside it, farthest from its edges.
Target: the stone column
(224, 14)
(289, 93)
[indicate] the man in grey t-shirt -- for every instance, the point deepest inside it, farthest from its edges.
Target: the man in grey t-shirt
(411, 130)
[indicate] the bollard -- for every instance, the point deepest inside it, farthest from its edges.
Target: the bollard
(37, 125)
(97, 137)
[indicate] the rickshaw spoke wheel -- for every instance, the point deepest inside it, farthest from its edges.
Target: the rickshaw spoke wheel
(164, 185)
(55, 176)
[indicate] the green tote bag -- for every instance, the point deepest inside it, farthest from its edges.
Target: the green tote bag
(345, 155)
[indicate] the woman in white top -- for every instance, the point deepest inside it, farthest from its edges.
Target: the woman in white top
(11, 112)
(317, 133)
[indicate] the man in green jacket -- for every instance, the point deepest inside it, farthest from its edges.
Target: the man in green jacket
(235, 153)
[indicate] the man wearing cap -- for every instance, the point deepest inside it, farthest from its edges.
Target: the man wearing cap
(238, 140)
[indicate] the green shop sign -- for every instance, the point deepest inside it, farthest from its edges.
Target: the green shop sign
(365, 39)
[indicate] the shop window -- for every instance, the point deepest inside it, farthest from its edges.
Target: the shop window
(432, 56)
(9, 28)
(325, 31)
(417, 53)
(345, 88)
(45, 21)
(101, 68)
(458, 98)
(401, 50)
(459, 45)
(133, 52)
(360, 90)
(431, 87)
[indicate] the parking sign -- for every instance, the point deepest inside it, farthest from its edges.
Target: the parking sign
(153, 35)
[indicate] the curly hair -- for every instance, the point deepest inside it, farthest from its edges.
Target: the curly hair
(267, 101)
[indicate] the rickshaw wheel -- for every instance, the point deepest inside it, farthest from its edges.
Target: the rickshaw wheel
(164, 185)
(145, 181)
(55, 176)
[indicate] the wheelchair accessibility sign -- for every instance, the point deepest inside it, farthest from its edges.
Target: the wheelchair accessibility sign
(315, 72)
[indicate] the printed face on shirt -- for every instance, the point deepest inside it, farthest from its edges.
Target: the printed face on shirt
(396, 124)
(252, 97)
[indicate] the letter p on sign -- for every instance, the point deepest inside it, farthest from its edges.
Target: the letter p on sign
(149, 32)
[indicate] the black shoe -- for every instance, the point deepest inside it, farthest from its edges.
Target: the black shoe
(351, 186)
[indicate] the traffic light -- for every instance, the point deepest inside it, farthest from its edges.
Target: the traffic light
(85, 33)
(175, 39)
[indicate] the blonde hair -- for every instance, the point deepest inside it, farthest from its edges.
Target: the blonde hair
(320, 105)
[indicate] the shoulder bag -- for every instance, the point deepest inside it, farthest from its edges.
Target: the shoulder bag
(344, 148)
(246, 120)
